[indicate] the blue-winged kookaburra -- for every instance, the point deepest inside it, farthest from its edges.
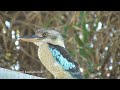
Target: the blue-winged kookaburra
(53, 54)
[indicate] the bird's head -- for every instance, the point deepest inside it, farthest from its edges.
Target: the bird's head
(44, 37)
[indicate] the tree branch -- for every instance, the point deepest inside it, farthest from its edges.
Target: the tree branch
(9, 74)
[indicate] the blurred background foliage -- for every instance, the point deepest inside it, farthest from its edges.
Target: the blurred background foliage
(92, 38)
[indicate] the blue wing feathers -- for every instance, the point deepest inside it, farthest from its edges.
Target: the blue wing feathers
(63, 61)
(62, 56)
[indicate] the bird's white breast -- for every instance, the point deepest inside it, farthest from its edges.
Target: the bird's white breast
(48, 61)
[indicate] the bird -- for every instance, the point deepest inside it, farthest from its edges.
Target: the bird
(54, 55)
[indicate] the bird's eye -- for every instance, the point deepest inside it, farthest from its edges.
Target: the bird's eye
(45, 34)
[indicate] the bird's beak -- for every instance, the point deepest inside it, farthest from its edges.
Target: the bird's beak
(31, 38)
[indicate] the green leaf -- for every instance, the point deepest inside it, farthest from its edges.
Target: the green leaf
(65, 31)
(82, 18)
(79, 41)
(90, 66)
(85, 33)
(83, 53)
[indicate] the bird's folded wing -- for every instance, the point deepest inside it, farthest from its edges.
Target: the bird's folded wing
(62, 56)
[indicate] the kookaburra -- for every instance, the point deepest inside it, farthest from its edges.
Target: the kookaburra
(53, 54)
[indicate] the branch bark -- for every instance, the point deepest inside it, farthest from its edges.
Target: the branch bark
(9, 74)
